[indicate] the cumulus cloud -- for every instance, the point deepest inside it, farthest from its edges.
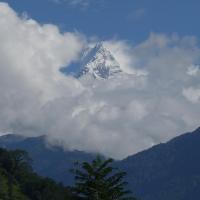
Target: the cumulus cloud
(127, 114)
(157, 100)
(124, 55)
(30, 57)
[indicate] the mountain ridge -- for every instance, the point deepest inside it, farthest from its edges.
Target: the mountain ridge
(166, 171)
(99, 63)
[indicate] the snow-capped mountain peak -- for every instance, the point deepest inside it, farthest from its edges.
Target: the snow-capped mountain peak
(99, 63)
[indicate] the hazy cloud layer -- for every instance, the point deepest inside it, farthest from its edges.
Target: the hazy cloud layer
(157, 101)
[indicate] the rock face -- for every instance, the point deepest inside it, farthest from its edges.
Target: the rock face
(99, 63)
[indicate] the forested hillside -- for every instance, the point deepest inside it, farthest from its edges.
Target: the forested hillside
(166, 171)
(19, 182)
(97, 180)
(48, 161)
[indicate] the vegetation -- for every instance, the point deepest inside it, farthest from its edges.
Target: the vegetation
(19, 182)
(100, 181)
(93, 181)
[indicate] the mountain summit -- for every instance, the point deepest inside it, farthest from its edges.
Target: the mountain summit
(99, 63)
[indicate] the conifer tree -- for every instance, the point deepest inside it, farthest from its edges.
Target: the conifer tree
(98, 180)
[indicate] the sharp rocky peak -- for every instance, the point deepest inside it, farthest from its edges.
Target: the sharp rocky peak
(99, 63)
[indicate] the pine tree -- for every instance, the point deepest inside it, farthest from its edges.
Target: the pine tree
(98, 180)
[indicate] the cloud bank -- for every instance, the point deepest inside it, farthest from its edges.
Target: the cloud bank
(116, 117)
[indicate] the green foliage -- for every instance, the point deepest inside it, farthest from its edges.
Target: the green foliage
(19, 182)
(94, 181)
(98, 180)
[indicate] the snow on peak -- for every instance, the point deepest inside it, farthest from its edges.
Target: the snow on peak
(100, 63)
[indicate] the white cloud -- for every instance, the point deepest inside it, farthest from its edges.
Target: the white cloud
(116, 117)
(124, 55)
(30, 57)
(193, 70)
(192, 94)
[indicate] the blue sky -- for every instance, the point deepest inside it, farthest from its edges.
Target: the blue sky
(130, 20)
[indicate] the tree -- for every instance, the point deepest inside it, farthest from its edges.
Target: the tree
(19, 182)
(14, 162)
(98, 180)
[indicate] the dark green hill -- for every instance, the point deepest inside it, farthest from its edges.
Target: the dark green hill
(169, 171)
(19, 182)
(48, 161)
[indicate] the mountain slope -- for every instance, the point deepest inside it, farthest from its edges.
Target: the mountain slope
(19, 182)
(167, 171)
(163, 172)
(48, 161)
(99, 63)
